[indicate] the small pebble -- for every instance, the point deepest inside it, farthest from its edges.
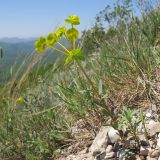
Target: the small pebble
(109, 155)
(109, 148)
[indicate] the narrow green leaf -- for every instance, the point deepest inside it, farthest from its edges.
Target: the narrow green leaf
(1, 52)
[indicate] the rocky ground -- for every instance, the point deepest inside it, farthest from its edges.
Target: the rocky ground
(110, 145)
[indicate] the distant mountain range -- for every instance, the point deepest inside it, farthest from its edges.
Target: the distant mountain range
(16, 46)
(16, 49)
(16, 39)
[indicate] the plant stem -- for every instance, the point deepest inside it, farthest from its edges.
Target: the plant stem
(102, 102)
(87, 77)
(135, 136)
(74, 44)
(60, 51)
(64, 47)
(145, 130)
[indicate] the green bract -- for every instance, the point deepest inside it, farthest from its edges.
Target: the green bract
(40, 44)
(51, 39)
(74, 20)
(72, 34)
(61, 31)
(75, 53)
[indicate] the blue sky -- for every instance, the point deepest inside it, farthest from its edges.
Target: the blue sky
(32, 18)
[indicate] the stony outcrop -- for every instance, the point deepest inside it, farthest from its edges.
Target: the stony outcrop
(108, 145)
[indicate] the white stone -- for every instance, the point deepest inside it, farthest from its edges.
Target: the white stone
(109, 155)
(113, 135)
(154, 107)
(158, 143)
(101, 140)
(153, 127)
(109, 148)
(148, 115)
(151, 122)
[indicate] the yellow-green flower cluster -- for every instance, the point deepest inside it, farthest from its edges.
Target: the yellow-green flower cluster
(40, 44)
(73, 20)
(70, 34)
(60, 31)
(20, 100)
(51, 39)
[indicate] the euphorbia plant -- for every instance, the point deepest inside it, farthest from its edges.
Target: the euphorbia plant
(72, 54)
(71, 34)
